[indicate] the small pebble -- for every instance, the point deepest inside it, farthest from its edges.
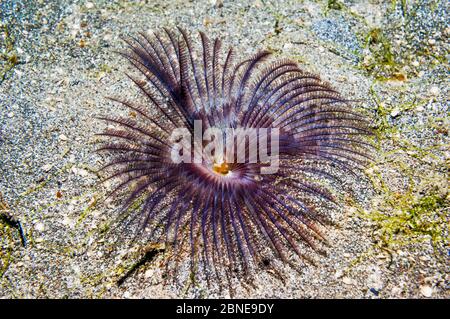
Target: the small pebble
(287, 46)
(348, 281)
(80, 171)
(447, 31)
(207, 21)
(434, 90)
(420, 108)
(258, 4)
(76, 269)
(339, 273)
(426, 291)
(72, 159)
(67, 221)
(395, 112)
(396, 291)
(47, 167)
(149, 273)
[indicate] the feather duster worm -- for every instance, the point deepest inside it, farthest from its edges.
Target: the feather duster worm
(224, 213)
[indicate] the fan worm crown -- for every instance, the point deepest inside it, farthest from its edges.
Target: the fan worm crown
(222, 210)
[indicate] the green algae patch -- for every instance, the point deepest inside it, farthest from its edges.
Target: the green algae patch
(381, 63)
(401, 218)
(335, 5)
(6, 238)
(6, 235)
(405, 219)
(8, 56)
(411, 204)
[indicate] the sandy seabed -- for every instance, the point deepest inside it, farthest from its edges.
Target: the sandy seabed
(57, 65)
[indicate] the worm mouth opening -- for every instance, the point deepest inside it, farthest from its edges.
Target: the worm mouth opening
(221, 168)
